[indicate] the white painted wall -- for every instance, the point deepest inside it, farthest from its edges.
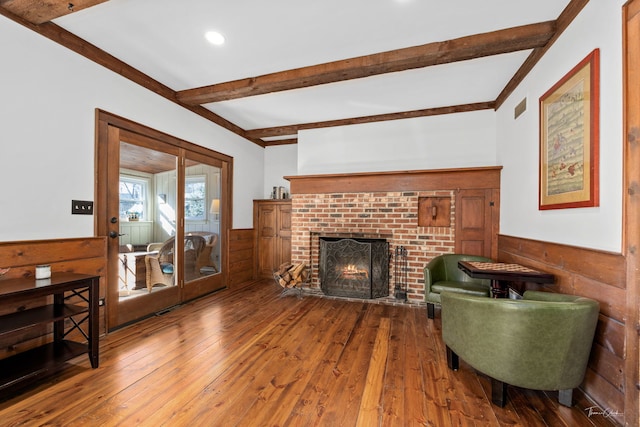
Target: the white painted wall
(47, 120)
(447, 141)
(279, 161)
(597, 26)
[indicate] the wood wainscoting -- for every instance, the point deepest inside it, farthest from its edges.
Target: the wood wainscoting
(593, 274)
(86, 255)
(241, 257)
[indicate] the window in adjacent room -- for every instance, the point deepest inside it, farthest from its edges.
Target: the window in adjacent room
(195, 194)
(133, 198)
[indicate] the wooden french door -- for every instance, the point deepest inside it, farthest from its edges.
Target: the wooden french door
(164, 204)
(134, 293)
(202, 273)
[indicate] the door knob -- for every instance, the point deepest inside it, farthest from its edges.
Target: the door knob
(114, 234)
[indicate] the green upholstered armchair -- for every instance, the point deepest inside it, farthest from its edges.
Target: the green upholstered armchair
(442, 274)
(540, 342)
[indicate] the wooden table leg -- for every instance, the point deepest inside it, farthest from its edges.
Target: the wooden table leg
(499, 289)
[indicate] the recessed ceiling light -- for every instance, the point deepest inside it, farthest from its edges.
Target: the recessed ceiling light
(214, 37)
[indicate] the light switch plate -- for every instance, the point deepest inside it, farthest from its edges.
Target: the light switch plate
(81, 207)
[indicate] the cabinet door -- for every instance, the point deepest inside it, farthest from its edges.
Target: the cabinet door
(267, 235)
(284, 235)
(476, 222)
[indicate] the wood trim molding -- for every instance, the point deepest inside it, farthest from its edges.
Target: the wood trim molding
(145, 131)
(631, 236)
(436, 179)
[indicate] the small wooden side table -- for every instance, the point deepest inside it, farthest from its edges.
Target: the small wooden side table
(501, 274)
(65, 315)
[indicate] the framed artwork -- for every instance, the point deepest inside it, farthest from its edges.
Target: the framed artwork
(569, 139)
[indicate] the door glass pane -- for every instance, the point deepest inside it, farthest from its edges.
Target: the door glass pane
(147, 218)
(202, 221)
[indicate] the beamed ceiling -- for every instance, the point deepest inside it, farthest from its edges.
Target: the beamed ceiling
(291, 65)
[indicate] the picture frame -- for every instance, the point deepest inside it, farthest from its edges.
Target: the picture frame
(569, 139)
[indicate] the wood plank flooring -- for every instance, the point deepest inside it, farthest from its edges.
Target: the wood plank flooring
(252, 357)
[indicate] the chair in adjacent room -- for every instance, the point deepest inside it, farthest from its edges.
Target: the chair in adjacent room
(442, 274)
(204, 263)
(540, 342)
(155, 275)
(160, 267)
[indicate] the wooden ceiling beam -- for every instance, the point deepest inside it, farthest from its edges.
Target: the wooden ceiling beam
(39, 11)
(293, 129)
(564, 20)
(476, 46)
(99, 56)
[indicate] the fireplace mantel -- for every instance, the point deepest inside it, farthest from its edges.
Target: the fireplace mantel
(434, 179)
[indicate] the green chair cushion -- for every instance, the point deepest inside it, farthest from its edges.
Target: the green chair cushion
(468, 288)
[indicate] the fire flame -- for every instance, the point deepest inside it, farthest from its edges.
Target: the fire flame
(351, 270)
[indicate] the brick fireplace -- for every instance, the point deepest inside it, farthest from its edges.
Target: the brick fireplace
(389, 215)
(382, 206)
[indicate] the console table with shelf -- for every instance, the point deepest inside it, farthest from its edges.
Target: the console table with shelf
(83, 318)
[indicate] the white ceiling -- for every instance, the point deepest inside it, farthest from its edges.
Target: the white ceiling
(165, 39)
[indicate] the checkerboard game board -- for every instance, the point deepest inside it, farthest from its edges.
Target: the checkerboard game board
(500, 266)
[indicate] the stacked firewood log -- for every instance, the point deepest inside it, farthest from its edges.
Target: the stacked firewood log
(291, 275)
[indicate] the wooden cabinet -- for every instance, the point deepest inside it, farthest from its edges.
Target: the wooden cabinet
(72, 296)
(272, 224)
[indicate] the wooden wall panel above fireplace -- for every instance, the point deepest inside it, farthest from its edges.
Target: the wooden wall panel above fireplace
(436, 179)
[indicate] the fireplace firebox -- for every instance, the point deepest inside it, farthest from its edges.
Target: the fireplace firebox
(354, 267)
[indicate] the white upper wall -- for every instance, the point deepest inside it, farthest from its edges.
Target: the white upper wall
(47, 117)
(447, 141)
(599, 25)
(488, 138)
(279, 161)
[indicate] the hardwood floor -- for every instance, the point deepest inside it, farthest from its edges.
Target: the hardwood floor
(250, 357)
